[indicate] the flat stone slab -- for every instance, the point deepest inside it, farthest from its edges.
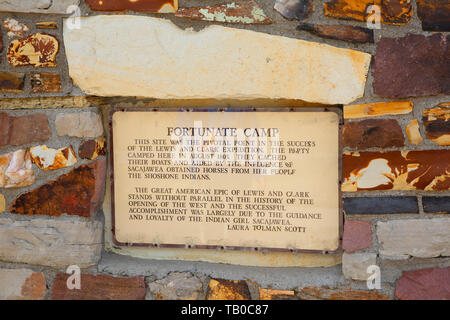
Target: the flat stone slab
(151, 57)
(37, 6)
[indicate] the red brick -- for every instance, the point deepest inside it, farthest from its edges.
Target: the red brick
(424, 284)
(380, 133)
(99, 287)
(357, 235)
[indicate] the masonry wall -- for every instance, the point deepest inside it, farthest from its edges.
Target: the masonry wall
(54, 154)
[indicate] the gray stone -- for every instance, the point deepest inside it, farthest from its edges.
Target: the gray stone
(37, 6)
(422, 238)
(82, 125)
(354, 265)
(54, 243)
(176, 286)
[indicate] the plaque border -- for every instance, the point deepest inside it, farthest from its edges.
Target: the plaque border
(336, 109)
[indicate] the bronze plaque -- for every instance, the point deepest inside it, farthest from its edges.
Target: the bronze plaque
(229, 180)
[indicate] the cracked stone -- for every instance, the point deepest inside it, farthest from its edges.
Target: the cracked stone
(176, 286)
(16, 169)
(51, 159)
(37, 50)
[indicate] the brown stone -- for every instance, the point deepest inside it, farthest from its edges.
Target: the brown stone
(24, 129)
(45, 82)
(357, 235)
(381, 133)
(150, 6)
(91, 149)
(437, 124)
(34, 287)
(294, 9)
(394, 170)
(12, 81)
(99, 287)
(395, 12)
(413, 132)
(47, 25)
(244, 12)
(424, 284)
(76, 193)
(412, 66)
(368, 110)
(37, 50)
(326, 293)
(271, 294)
(434, 14)
(220, 289)
(339, 32)
(16, 169)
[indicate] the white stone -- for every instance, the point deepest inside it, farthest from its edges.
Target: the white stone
(121, 55)
(37, 6)
(47, 242)
(52, 159)
(422, 238)
(16, 169)
(82, 125)
(354, 265)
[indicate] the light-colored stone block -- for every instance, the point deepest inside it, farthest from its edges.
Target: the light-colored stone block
(83, 124)
(354, 265)
(38, 6)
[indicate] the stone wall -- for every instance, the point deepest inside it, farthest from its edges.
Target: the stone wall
(56, 86)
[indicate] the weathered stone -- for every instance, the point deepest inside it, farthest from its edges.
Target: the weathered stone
(424, 284)
(354, 265)
(220, 289)
(217, 62)
(99, 287)
(51, 159)
(271, 294)
(339, 32)
(357, 235)
(368, 110)
(434, 14)
(84, 124)
(21, 284)
(2, 203)
(12, 81)
(412, 66)
(45, 82)
(54, 243)
(14, 28)
(422, 238)
(38, 6)
(326, 293)
(28, 129)
(381, 205)
(436, 204)
(37, 50)
(395, 12)
(91, 149)
(16, 169)
(437, 124)
(413, 132)
(294, 9)
(46, 25)
(243, 12)
(155, 6)
(395, 170)
(176, 286)
(78, 192)
(379, 133)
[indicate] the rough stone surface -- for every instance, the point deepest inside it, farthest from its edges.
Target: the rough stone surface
(370, 133)
(424, 284)
(14, 28)
(412, 66)
(271, 294)
(337, 32)
(217, 62)
(21, 284)
(413, 132)
(357, 235)
(37, 6)
(37, 50)
(354, 265)
(155, 6)
(368, 110)
(380, 205)
(84, 124)
(437, 124)
(11, 81)
(394, 170)
(436, 204)
(54, 243)
(45, 82)
(176, 286)
(434, 14)
(2, 203)
(395, 12)
(243, 12)
(314, 293)
(99, 287)
(16, 169)
(91, 149)
(23, 129)
(294, 9)
(78, 192)
(51, 159)
(220, 289)
(423, 238)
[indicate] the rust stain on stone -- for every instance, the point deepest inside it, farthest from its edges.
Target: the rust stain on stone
(12, 81)
(394, 170)
(155, 6)
(52, 159)
(91, 149)
(327, 293)
(220, 289)
(47, 25)
(338, 32)
(396, 12)
(381, 133)
(434, 14)
(437, 124)
(244, 12)
(272, 294)
(38, 50)
(45, 82)
(367, 110)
